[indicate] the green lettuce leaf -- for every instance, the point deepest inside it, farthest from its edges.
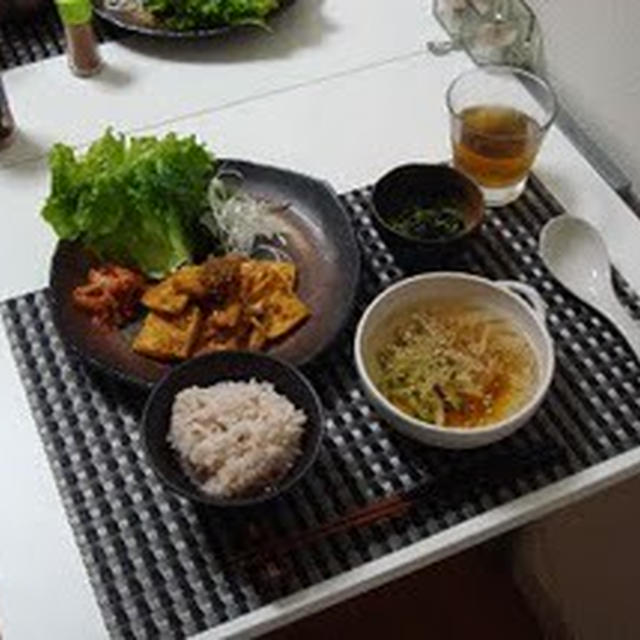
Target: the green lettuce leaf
(201, 14)
(135, 201)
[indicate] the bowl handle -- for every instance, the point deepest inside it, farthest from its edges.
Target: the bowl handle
(531, 296)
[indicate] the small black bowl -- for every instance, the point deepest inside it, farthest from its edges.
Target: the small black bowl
(206, 371)
(420, 185)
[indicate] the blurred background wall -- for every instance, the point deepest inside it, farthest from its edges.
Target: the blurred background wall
(593, 57)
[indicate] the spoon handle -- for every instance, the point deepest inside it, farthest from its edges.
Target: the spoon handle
(628, 327)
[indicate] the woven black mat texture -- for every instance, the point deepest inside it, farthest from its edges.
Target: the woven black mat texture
(41, 36)
(163, 567)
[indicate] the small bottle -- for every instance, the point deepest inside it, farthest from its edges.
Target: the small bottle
(7, 123)
(82, 48)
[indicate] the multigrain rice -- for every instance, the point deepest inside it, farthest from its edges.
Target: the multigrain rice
(235, 438)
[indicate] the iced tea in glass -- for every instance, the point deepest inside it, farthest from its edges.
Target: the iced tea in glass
(499, 117)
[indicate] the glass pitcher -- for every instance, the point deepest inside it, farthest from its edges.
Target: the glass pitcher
(498, 32)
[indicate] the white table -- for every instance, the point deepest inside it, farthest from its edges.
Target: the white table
(345, 90)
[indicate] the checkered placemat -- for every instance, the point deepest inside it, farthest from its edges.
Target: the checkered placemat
(41, 36)
(161, 566)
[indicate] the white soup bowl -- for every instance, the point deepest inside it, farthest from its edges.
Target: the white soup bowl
(521, 304)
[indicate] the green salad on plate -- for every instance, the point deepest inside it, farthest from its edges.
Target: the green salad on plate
(185, 15)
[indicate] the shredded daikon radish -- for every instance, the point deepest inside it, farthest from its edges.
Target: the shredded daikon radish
(236, 218)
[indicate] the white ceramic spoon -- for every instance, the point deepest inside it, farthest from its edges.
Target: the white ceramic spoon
(576, 255)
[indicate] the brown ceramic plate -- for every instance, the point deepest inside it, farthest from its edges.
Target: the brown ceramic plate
(319, 240)
(126, 14)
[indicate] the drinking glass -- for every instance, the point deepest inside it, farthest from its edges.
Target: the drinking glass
(499, 116)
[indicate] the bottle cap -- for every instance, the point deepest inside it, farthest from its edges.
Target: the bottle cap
(73, 12)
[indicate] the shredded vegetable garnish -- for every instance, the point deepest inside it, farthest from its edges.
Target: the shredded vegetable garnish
(456, 365)
(237, 219)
